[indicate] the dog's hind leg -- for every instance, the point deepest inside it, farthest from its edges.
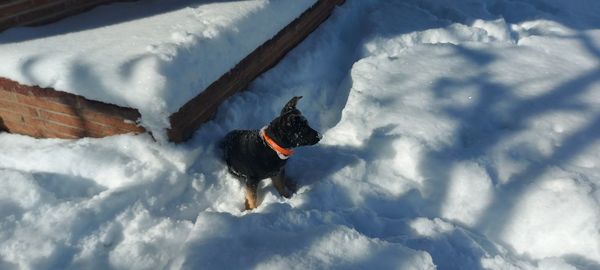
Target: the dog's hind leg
(250, 189)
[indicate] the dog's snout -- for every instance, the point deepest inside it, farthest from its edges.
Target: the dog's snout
(314, 137)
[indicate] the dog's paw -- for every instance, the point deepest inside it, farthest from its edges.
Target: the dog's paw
(291, 186)
(286, 194)
(249, 205)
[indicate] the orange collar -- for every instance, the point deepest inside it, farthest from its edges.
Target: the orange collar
(282, 153)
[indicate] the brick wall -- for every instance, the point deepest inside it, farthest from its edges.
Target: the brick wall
(47, 113)
(33, 12)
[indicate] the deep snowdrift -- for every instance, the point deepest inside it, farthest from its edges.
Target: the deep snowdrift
(463, 135)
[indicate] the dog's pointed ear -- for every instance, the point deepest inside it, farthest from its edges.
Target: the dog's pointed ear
(291, 105)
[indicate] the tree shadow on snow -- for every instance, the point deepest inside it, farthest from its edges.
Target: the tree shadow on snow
(99, 17)
(504, 115)
(7, 265)
(581, 262)
(66, 187)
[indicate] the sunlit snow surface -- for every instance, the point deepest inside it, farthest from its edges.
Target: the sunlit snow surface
(457, 135)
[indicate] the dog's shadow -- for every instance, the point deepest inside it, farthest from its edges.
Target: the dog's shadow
(320, 162)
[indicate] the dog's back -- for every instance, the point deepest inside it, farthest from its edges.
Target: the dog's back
(248, 157)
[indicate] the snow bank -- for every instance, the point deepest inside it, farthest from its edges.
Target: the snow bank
(152, 55)
(457, 135)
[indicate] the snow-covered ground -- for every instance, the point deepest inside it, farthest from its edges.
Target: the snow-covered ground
(457, 135)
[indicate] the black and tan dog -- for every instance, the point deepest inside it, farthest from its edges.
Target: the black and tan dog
(253, 155)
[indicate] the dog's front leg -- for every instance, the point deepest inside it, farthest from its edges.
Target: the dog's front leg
(251, 188)
(281, 182)
(290, 183)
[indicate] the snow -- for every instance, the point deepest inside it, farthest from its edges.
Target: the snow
(457, 135)
(152, 55)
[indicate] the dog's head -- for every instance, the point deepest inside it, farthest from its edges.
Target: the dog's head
(292, 128)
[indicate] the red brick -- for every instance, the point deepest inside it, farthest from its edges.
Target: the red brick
(58, 128)
(7, 95)
(52, 134)
(35, 12)
(13, 107)
(60, 114)
(26, 90)
(56, 10)
(19, 118)
(64, 119)
(19, 128)
(98, 130)
(43, 13)
(54, 125)
(45, 133)
(6, 23)
(48, 93)
(6, 3)
(8, 85)
(47, 105)
(91, 126)
(83, 119)
(44, 2)
(15, 8)
(110, 121)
